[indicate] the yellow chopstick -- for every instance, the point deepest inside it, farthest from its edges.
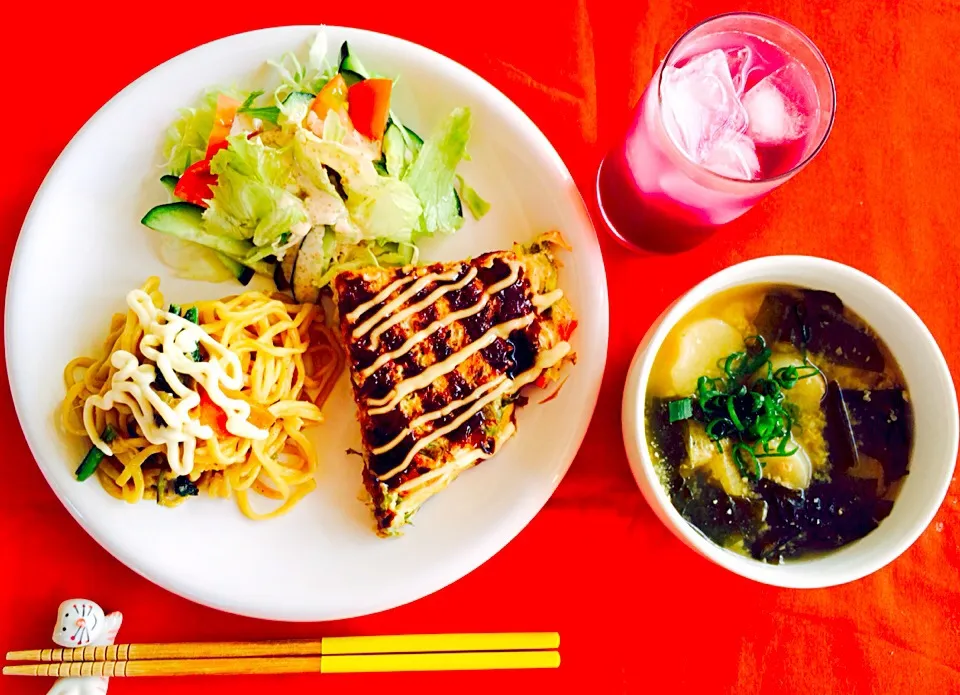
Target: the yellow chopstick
(454, 642)
(364, 663)
(383, 644)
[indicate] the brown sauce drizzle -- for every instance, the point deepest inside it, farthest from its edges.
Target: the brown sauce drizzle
(509, 355)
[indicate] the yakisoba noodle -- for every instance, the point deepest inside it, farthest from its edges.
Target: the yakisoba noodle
(290, 361)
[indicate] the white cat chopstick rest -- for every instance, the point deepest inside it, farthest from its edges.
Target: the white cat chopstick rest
(82, 623)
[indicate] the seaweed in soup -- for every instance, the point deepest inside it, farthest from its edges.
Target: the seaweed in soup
(814, 320)
(853, 430)
(882, 428)
(671, 437)
(825, 516)
(838, 431)
(722, 518)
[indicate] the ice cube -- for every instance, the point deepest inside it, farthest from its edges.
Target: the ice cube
(773, 116)
(700, 103)
(742, 62)
(734, 156)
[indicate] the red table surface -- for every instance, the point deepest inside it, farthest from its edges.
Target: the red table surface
(637, 610)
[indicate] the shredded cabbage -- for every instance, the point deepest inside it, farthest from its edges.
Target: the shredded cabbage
(308, 77)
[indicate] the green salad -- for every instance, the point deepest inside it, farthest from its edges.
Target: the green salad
(315, 177)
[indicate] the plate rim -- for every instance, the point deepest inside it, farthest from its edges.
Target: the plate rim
(482, 552)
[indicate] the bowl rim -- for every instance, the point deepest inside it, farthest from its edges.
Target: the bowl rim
(740, 275)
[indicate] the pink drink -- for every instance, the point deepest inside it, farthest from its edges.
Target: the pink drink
(740, 104)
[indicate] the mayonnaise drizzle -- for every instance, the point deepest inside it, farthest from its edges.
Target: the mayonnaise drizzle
(381, 296)
(400, 300)
(417, 307)
(542, 301)
(169, 341)
(546, 359)
(435, 414)
(450, 318)
(426, 377)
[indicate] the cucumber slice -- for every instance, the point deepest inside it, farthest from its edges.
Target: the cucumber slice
(185, 221)
(169, 182)
(241, 272)
(312, 260)
(350, 63)
(295, 98)
(351, 77)
(413, 140)
(396, 155)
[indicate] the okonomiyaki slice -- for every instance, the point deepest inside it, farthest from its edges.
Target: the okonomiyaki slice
(438, 355)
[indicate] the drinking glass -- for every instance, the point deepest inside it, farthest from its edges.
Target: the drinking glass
(741, 103)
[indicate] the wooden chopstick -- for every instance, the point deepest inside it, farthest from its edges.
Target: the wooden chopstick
(364, 663)
(383, 644)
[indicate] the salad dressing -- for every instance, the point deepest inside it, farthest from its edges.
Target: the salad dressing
(169, 341)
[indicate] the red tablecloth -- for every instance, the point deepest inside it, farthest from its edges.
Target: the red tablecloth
(637, 611)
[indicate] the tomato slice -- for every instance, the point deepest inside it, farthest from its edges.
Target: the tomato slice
(333, 97)
(370, 106)
(222, 123)
(195, 184)
(212, 414)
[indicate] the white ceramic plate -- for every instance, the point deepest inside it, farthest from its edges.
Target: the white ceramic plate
(82, 249)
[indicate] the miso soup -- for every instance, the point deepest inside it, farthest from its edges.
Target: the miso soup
(778, 421)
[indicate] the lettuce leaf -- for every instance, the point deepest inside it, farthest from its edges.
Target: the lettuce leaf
(477, 206)
(363, 255)
(388, 211)
(186, 140)
(382, 207)
(432, 174)
(250, 200)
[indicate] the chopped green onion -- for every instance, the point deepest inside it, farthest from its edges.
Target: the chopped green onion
(192, 315)
(680, 410)
(750, 410)
(747, 461)
(93, 458)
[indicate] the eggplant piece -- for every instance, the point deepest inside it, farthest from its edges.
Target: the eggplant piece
(310, 265)
(283, 274)
(882, 428)
(838, 431)
(778, 320)
(814, 320)
(841, 341)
